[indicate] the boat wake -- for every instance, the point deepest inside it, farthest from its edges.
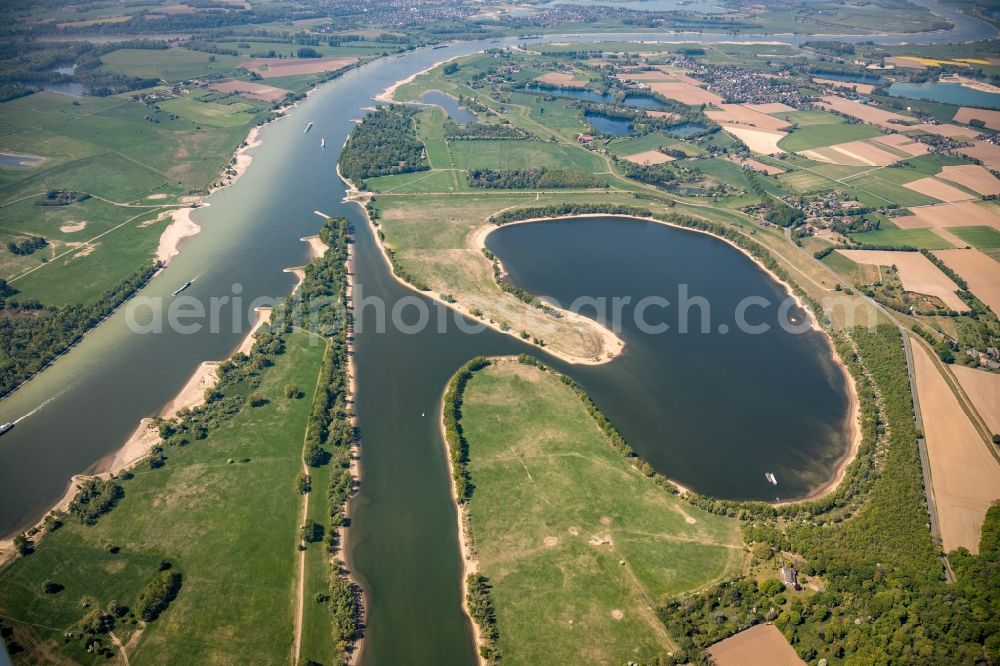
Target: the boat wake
(39, 407)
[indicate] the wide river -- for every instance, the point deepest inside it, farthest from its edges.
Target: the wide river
(694, 405)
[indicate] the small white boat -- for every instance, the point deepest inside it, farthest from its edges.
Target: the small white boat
(5, 427)
(771, 478)
(308, 127)
(322, 143)
(182, 288)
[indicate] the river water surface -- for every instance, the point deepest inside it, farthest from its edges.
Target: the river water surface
(403, 543)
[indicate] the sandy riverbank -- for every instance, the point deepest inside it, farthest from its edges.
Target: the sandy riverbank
(973, 84)
(355, 465)
(317, 248)
(9, 552)
(193, 393)
(611, 345)
(182, 226)
(145, 436)
(470, 562)
(388, 95)
(263, 316)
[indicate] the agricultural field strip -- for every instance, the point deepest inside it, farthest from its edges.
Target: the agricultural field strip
(67, 120)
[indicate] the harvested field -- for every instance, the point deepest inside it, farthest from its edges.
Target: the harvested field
(903, 143)
(933, 187)
(647, 76)
(964, 475)
(852, 153)
(254, 90)
(685, 93)
(916, 272)
(964, 214)
(648, 157)
(770, 107)
(678, 75)
(758, 140)
(983, 389)
(980, 271)
(972, 176)
(736, 114)
(761, 645)
(562, 80)
(945, 129)
(985, 152)
(270, 68)
(908, 63)
(863, 88)
(991, 118)
(868, 114)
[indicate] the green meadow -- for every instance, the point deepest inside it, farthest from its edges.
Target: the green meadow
(924, 239)
(652, 141)
(223, 511)
(174, 64)
(817, 131)
(135, 161)
(522, 154)
(577, 544)
(978, 237)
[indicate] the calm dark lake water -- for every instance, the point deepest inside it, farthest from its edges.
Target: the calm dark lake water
(455, 111)
(608, 124)
(632, 100)
(714, 410)
(951, 93)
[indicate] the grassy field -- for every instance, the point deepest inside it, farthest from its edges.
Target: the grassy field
(558, 114)
(918, 238)
(816, 131)
(577, 544)
(430, 236)
(174, 64)
(133, 159)
(978, 237)
(732, 173)
(520, 154)
(430, 130)
(236, 602)
(419, 182)
(200, 107)
(651, 142)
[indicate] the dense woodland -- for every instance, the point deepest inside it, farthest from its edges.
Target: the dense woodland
(384, 143)
(482, 131)
(32, 335)
(885, 598)
(537, 177)
(319, 305)
(567, 209)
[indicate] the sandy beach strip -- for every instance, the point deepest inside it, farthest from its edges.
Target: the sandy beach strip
(263, 316)
(193, 392)
(470, 562)
(182, 226)
(317, 248)
(388, 95)
(612, 345)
